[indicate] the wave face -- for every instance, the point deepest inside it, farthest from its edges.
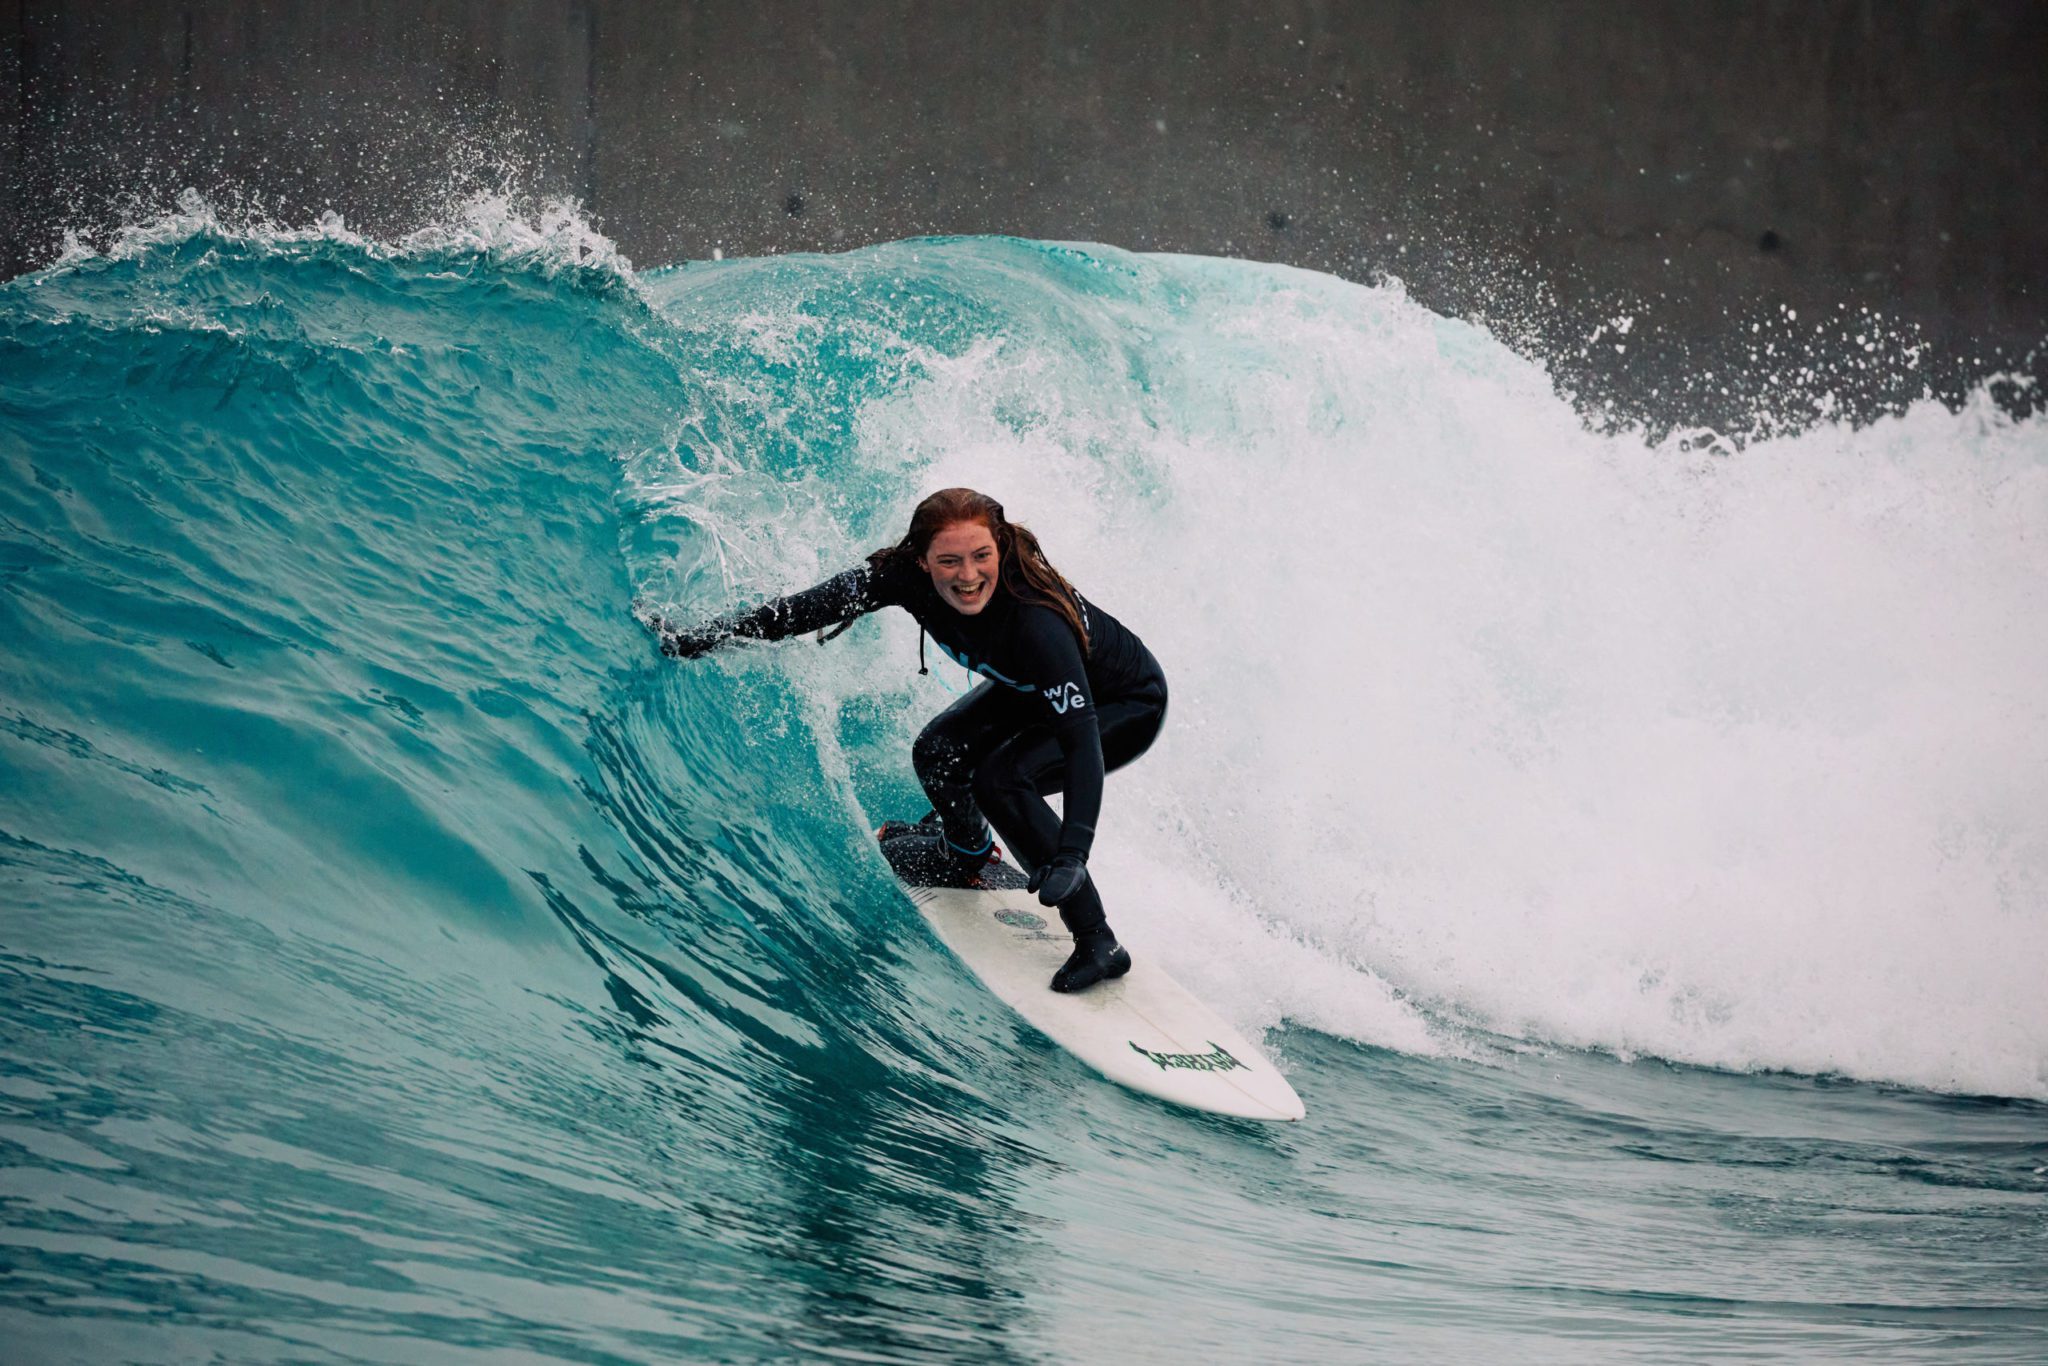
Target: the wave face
(403, 960)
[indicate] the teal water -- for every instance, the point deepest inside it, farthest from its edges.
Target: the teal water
(1637, 855)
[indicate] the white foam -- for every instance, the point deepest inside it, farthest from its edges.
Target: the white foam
(1737, 759)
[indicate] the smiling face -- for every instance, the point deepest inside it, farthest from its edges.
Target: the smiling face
(963, 562)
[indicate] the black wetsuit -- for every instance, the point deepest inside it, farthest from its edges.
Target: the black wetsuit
(1048, 720)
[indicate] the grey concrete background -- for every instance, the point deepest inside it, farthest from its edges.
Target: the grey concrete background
(1699, 167)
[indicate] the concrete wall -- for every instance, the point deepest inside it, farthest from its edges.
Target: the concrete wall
(1698, 166)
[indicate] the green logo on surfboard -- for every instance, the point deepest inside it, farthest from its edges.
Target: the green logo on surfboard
(1217, 1061)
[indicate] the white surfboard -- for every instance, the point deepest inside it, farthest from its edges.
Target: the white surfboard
(1143, 1030)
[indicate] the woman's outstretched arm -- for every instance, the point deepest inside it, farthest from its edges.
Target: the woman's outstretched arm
(840, 598)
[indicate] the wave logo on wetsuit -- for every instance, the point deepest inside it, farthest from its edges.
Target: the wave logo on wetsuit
(1065, 697)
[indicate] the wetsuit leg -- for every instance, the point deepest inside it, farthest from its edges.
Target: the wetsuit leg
(1013, 781)
(950, 748)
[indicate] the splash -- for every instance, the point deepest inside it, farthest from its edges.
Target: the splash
(502, 225)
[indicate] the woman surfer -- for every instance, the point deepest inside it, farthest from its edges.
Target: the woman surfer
(1072, 694)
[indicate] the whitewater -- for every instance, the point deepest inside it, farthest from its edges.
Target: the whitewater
(1634, 849)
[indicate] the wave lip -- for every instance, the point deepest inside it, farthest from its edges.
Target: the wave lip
(502, 226)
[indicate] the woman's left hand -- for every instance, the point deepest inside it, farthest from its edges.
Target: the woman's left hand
(1056, 881)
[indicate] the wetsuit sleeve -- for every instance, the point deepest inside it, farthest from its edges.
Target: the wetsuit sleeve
(842, 597)
(1053, 657)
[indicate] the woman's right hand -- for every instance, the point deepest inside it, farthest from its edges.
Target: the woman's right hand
(681, 642)
(687, 644)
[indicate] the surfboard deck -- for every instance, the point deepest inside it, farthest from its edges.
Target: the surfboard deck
(1143, 1030)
